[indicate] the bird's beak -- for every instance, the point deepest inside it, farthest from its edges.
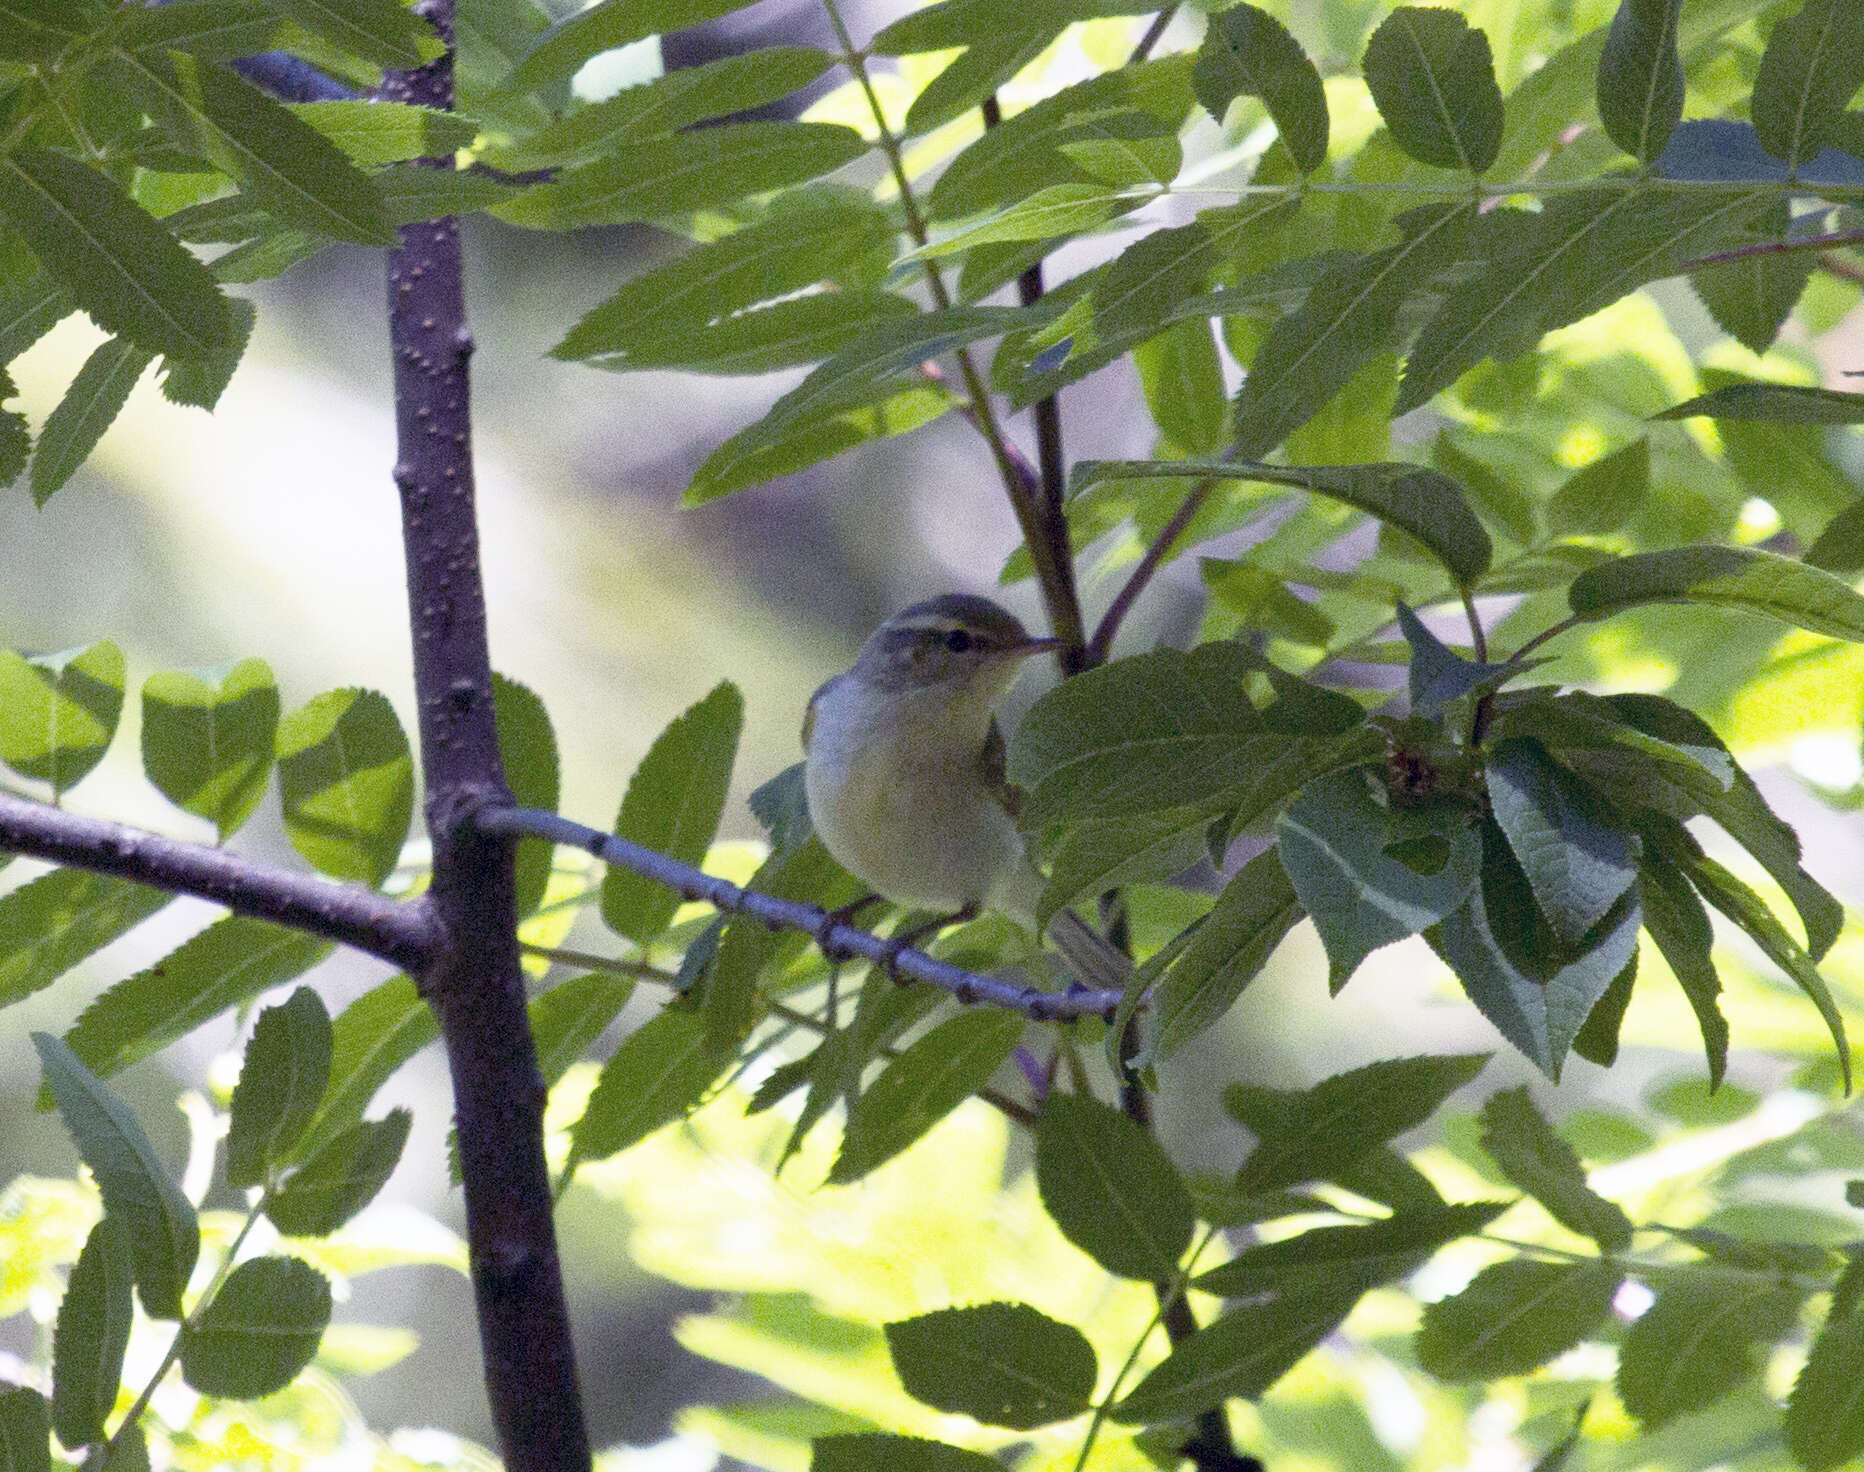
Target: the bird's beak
(1029, 647)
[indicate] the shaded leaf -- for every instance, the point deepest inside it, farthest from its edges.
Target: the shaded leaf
(259, 1331)
(1777, 403)
(341, 1178)
(1702, 1337)
(1603, 496)
(92, 1335)
(371, 1038)
(1248, 53)
(59, 711)
(1751, 299)
(1812, 67)
(285, 1072)
(1432, 77)
(1729, 577)
(207, 739)
(1004, 1364)
(1111, 1188)
(38, 30)
(346, 780)
(95, 398)
(1379, 1252)
(661, 1072)
(527, 747)
(1097, 857)
(567, 1019)
(1825, 1417)
(373, 133)
(560, 52)
(1514, 1317)
(25, 1431)
(198, 383)
(802, 329)
(213, 30)
(383, 32)
(1533, 1156)
(875, 1451)
(1576, 861)
(50, 924)
(1641, 77)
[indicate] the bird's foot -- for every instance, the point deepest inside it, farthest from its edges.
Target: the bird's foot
(909, 939)
(840, 915)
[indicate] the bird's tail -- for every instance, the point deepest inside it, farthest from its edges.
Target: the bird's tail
(1094, 959)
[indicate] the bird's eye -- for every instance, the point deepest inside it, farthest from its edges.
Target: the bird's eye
(958, 640)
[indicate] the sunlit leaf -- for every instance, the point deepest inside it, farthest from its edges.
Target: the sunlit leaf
(207, 739)
(1515, 1316)
(1004, 1364)
(346, 779)
(285, 1072)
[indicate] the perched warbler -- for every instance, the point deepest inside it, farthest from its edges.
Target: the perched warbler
(904, 771)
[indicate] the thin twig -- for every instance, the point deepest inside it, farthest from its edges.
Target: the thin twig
(1101, 646)
(1773, 248)
(1160, 24)
(837, 939)
(1834, 264)
(403, 933)
(1552, 631)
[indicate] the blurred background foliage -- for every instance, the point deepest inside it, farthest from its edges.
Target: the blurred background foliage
(707, 1284)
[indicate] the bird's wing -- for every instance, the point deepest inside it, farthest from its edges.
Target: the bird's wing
(993, 766)
(809, 713)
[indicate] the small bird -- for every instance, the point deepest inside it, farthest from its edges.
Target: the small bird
(904, 772)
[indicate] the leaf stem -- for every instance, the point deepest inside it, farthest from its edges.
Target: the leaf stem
(1160, 23)
(1552, 631)
(1773, 248)
(1101, 645)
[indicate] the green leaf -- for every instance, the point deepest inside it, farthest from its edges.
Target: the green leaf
(25, 1431)
(59, 711)
(1514, 1317)
(1248, 53)
(1603, 496)
(198, 383)
(1775, 403)
(213, 30)
(285, 165)
(1679, 925)
(673, 805)
(1422, 502)
(1330, 1126)
(1536, 989)
(561, 51)
(921, 1086)
(1727, 577)
(567, 1019)
(1350, 316)
(341, 1178)
(207, 739)
(31, 303)
(1111, 1188)
(994, 55)
(1542, 1164)
(1264, 601)
(38, 30)
(1183, 381)
(1703, 1336)
(51, 923)
(678, 172)
(1255, 911)
(346, 780)
(1379, 1252)
(803, 329)
(92, 1334)
(1812, 67)
(1577, 863)
(260, 1330)
(1432, 77)
(1097, 857)
(1641, 77)
(381, 32)
(371, 1038)
(875, 1451)
(1239, 1355)
(1751, 299)
(117, 262)
(285, 1073)
(528, 748)
(1825, 1417)
(95, 398)
(1335, 842)
(658, 1075)
(1004, 1364)
(1839, 548)
(784, 252)
(373, 133)
(231, 961)
(164, 1235)
(1051, 213)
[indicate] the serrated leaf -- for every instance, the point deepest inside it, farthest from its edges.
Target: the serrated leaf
(50, 924)
(1703, 1336)
(921, 1086)
(1812, 67)
(38, 30)
(1576, 861)
(1111, 1188)
(1004, 1364)
(231, 961)
(662, 1071)
(207, 739)
(875, 1451)
(25, 1431)
(1350, 316)
(213, 30)
(1437, 674)
(1182, 378)
(1839, 548)
(560, 52)
(1422, 502)
(117, 262)
(374, 133)
(382, 32)
(282, 1080)
(1265, 602)
(1248, 53)
(286, 166)
(528, 749)
(1603, 496)
(1340, 1119)
(1640, 82)
(1728, 577)
(1432, 77)
(59, 711)
(341, 1178)
(371, 1038)
(993, 56)
(672, 806)
(1536, 990)
(1052, 213)
(92, 1335)
(1751, 299)
(1533, 1156)
(1334, 842)
(1239, 1355)
(1379, 1252)
(1776, 403)
(1097, 857)
(567, 1019)
(259, 1331)
(32, 302)
(1825, 1417)
(198, 383)
(346, 781)
(95, 398)
(679, 172)
(164, 1235)
(1514, 1317)
(801, 329)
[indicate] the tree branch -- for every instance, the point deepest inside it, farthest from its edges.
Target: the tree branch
(839, 940)
(1773, 248)
(1157, 29)
(1101, 646)
(404, 934)
(474, 984)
